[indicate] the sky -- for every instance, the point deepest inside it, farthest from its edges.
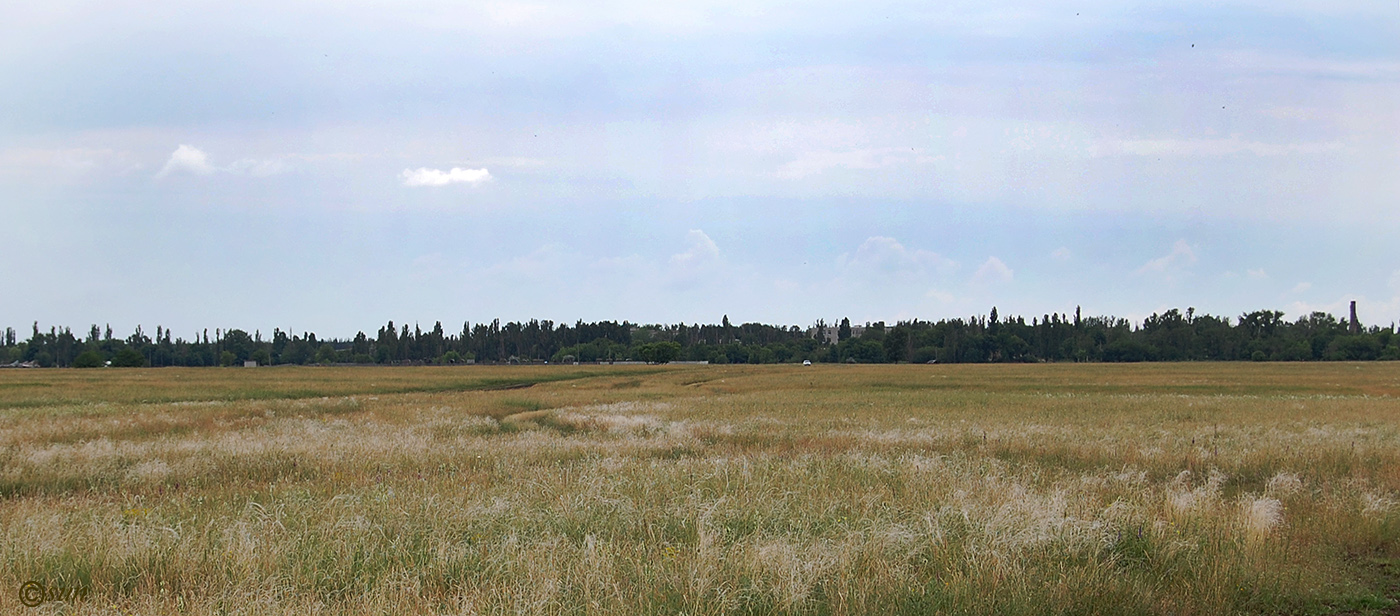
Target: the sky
(330, 166)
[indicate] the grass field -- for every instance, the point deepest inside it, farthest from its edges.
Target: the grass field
(972, 489)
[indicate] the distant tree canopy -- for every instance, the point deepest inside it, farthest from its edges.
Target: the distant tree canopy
(1170, 336)
(659, 352)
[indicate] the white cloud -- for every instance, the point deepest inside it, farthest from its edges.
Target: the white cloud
(1061, 254)
(188, 159)
(888, 256)
(1258, 274)
(810, 163)
(993, 270)
(1301, 287)
(437, 177)
(1181, 256)
(700, 249)
(700, 265)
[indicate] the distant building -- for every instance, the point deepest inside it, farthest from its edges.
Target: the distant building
(832, 334)
(252, 363)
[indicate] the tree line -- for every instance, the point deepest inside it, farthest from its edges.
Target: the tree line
(1170, 336)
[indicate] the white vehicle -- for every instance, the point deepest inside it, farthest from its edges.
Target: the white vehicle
(806, 362)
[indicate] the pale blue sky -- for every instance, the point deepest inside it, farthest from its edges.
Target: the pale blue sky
(333, 165)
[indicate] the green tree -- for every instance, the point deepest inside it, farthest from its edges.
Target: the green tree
(88, 359)
(874, 331)
(128, 358)
(1127, 350)
(659, 352)
(1353, 348)
(239, 343)
(896, 343)
(867, 351)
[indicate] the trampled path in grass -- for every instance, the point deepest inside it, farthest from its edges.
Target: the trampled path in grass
(1018, 489)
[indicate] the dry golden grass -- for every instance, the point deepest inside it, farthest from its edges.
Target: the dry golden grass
(1039, 489)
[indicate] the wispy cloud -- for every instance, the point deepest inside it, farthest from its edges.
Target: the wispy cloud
(1301, 287)
(811, 163)
(887, 256)
(1182, 255)
(1061, 254)
(1260, 63)
(69, 160)
(941, 296)
(259, 168)
(192, 160)
(1211, 147)
(437, 177)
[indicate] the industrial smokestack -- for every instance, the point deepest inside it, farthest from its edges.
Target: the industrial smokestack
(1353, 327)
